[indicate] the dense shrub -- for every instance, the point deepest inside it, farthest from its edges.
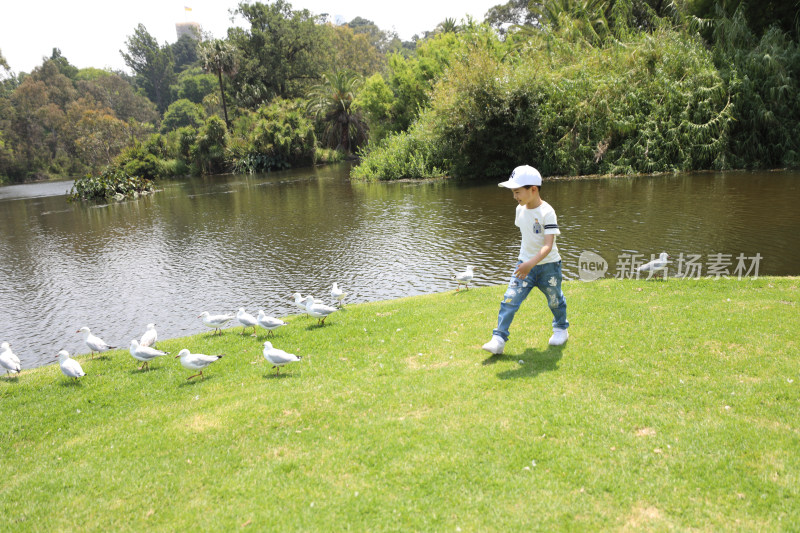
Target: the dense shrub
(110, 183)
(763, 76)
(208, 152)
(405, 155)
(282, 136)
(182, 113)
(652, 103)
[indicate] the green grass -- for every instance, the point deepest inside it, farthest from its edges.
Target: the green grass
(674, 405)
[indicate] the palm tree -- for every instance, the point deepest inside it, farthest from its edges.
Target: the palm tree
(448, 25)
(219, 57)
(330, 101)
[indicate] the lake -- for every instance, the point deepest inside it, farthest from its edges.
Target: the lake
(224, 242)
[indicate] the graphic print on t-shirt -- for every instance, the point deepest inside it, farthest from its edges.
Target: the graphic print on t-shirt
(537, 227)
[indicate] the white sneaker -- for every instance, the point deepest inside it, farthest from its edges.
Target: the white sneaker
(559, 337)
(495, 345)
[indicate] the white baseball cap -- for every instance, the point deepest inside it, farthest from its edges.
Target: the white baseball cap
(522, 176)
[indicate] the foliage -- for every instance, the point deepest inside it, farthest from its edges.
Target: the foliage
(185, 50)
(153, 65)
(669, 409)
(281, 53)
(653, 103)
(763, 75)
(375, 100)
(220, 58)
(110, 183)
(352, 51)
(405, 155)
(331, 103)
(194, 85)
(208, 152)
(182, 113)
(282, 137)
(761, 15)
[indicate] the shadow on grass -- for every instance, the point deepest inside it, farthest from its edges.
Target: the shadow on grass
(534, 362)
(191, 382)
(139, 370)
(71, 382)
(272, 375)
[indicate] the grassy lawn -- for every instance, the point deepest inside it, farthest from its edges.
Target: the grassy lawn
(674, 405)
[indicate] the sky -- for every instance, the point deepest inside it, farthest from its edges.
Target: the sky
(90, 33)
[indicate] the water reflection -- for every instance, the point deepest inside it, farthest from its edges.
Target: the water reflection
(221, 243)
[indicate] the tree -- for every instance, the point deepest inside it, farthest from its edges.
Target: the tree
(181, 113)
(512, 13)
(331, 102)
(152, 64)
(115, 92)
(352, 51)
(186, 50)
(194, 84)
(282, 53)
(219, 57)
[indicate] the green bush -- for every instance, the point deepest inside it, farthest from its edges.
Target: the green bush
(763, 78)
(182, 113)
(282, 137)
(652, 103)
(110, 183)
(405, 155)
(208, 152)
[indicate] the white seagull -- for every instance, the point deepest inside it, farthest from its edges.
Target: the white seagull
(95, 343)
(300, 300)
(464, 277)
(337, 294)
(8, 359)
(657, 265)
(196, 361)
(150, 337)
(145, 354)
(318, 311)
(70, 367)
(215, 321)
(277, 357)
(269, 323)
(246, 320)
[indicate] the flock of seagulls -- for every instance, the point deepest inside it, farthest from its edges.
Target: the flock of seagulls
(145, 351)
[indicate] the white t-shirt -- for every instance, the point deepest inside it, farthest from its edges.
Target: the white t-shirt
(534, 225)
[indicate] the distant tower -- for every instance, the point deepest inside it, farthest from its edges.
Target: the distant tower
(190, 28)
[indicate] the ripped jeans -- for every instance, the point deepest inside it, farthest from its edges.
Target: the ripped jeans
(546, 278)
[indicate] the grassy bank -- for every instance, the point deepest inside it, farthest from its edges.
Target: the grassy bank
(672, 406)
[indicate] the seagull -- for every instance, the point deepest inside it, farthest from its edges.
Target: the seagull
(196, 361)
(215, 321)
(269, 323)
(70, 367)
(150, 337)
(277, 357)
(95, 343)
(657, 265)
(246, 320)
(318, 311)
(337, 294)
(464, 277)
(145, 354)
(300, 300)
(8, 360)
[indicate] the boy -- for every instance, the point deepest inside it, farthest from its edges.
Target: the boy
(538, 265)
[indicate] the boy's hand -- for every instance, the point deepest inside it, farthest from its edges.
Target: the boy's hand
(522, 271)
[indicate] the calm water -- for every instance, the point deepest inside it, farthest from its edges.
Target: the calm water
(221, 243)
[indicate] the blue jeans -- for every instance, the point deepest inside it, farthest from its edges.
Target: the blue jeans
(546, 278)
